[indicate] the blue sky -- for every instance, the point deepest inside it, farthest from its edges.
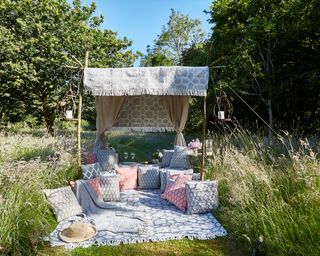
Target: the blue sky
(141, 20)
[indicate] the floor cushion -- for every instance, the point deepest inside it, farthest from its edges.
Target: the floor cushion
(110, 187)
(128, 177)
(176, 193)
(107, 159)
(202, 196)
(90, 171)
(63, 202)
(149, 177)
(180, 158)
(164, 175)
(166, 158)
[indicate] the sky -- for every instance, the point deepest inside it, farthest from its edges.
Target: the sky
(141, 20)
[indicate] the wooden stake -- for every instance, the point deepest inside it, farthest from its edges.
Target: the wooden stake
(79, 113)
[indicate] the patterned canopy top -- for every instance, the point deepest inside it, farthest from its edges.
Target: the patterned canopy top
(174, 80)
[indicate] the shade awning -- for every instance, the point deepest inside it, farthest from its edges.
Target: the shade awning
(184, 81)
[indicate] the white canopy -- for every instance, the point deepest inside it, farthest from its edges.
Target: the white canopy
(179, 81)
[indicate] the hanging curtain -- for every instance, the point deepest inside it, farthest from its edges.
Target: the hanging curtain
(108, 111)
(177, 109)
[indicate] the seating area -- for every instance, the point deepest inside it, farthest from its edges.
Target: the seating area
(137, 202)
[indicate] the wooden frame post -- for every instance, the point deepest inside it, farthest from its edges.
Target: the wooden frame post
(204, 129)
(80, 112)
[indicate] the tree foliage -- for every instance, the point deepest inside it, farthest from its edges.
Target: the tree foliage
(180, 33)
(42, 49)
(271, 53)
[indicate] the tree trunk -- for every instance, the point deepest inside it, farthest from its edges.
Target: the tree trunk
(49, 117)
(270, 115)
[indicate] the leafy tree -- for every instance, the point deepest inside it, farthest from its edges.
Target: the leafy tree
(179, 34)
(43, 44)
(270, 50)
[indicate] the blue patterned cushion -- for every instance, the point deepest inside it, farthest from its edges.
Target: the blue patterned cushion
(109, 183)
(166, 158)
(149, 177)
(90, 171)
(202, 196)
(180, 158)
(107, 159)
(164, 174)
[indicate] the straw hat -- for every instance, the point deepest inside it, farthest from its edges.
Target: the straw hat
(77, 232)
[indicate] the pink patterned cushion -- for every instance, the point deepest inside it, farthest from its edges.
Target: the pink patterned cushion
(177, 194)
(128, 177)
(90, 158)
(95, 185)
(170, 181)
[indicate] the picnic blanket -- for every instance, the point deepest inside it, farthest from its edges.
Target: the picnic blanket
(141, 216)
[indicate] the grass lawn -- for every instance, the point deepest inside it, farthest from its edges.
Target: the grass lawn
(270, 191)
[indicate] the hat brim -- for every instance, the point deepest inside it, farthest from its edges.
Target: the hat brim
(68, 239)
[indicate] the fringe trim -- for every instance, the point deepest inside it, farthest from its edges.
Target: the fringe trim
(89, 243)
(150, 91)
(143, 129)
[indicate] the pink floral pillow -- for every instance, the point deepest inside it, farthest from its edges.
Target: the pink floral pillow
(128, 177)
(170, 181)
(90, 158)
(95, 185)
(177, 193)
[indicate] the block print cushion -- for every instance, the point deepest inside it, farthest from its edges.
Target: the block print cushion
(64, 202)
(202, 196)
(110, 187)
(107, 159)
(149, 177)
(163, 175)
(128, 177)
(166, 158)
(90, 171)
(90, 158)
(95, 185)
(176, 192)
(180, 158)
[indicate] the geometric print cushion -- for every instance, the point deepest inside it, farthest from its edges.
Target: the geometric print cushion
(128, 177)
(180, 158)
(164, 175)
(110, 187)
(107, 159)
(177, 194)
(95, 185)
(202, 196)
(90, 171)
(149, 177)
(166, 158)
(64, 202)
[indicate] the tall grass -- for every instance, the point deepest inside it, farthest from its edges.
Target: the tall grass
(272, 191)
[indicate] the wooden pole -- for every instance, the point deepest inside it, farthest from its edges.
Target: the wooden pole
(204, 128)
(80, 111)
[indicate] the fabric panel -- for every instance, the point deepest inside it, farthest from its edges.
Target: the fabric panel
(63, 202)
(149, 177)
(202, 196)
(177, 109)
(147, 81)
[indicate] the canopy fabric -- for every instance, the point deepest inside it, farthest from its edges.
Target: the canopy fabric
(183, 81)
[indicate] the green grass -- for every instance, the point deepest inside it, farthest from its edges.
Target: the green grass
(272, 191)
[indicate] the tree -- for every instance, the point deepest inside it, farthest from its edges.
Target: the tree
(43, 44)
(179, 34)
(269, 49)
